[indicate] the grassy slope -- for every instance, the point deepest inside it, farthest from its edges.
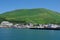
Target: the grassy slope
(39, 15)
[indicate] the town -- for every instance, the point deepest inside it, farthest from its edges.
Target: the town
(7, 24)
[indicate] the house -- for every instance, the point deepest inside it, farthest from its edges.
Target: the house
(6, 24)
(30, 25)
(27, 26)
(16, 25)
(41, 26)
(54, 26)
(19, 26)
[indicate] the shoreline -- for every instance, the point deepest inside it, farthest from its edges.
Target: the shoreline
(46, 28)
(35, 28)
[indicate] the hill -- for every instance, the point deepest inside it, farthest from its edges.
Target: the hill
(38, 15)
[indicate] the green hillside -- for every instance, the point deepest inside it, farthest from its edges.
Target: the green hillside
(38, 15)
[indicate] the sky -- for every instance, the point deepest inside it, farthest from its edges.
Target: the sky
(9, 5)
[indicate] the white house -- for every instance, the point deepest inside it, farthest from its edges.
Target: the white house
(41, 26)
(6, 23)
(18, 25)
(54, 26)
(30, 25)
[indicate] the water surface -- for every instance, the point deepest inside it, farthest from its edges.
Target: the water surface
(28, 34)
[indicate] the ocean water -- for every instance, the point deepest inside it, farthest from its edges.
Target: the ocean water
(28, 34)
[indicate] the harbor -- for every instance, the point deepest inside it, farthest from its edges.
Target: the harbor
(7, 24)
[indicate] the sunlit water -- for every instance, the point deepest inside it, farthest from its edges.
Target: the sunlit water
(28, 34)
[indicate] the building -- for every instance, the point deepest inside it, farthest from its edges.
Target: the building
(41, 26)
(6, 24)
(54, 25)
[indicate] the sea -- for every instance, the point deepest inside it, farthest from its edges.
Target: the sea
(28, 34)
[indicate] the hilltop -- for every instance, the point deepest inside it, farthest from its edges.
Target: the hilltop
(37, 15)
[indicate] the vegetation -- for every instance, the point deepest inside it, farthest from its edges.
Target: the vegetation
(38, 15)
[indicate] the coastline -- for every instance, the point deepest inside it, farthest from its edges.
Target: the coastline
(45, 28)
(35, 28)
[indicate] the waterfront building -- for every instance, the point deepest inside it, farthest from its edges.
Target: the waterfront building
(6, 24)
(30, 25)
(54, 25)
(41, 26)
